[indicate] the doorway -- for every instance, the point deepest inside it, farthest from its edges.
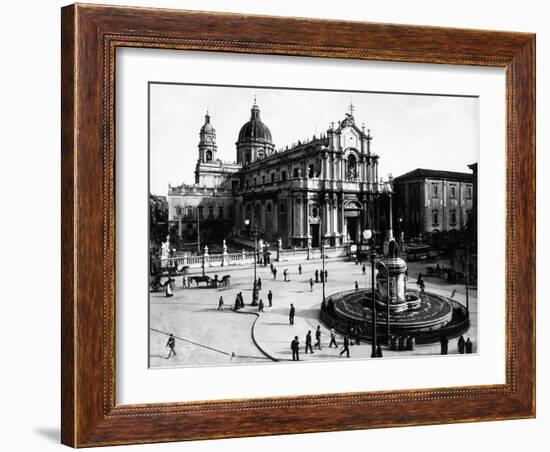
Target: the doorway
(351, 224)
(315, 238)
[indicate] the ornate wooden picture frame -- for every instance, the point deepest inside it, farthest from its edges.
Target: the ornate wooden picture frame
(90, 37)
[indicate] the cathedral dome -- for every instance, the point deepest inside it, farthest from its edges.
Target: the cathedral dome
(255, 129)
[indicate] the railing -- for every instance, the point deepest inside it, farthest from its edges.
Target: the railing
(247, 257)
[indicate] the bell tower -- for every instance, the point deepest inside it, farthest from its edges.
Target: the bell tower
(207, 141)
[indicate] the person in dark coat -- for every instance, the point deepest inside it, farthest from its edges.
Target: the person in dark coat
(461, 343)
(270, 298)
(220, 304)
(364, 269)
(332, 338)
(318, 337)
(469, 346)
(356, 286)
(345, 348)
(285, 273)
(171, 344)
(316, 276)
(291, 314)
(379, 351)
(259, 284)
(326, 275)
(311, 284)
(299, 269)
(261, 305)
(308, 342)
(274, 273)
(295, 347)
(444, 341)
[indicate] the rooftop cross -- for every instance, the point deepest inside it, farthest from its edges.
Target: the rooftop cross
(351, 108)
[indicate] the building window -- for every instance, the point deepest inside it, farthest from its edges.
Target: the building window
(283, 175)
(247, 183)
(254, 181)
(453, 217)
(263, 179)
(269, 208)
(453, 191)
(469, 192)
(211, 212)
(310, 171)
(189, 212)
(314, 212)
(282, 207)
(435, 217)
(296, 172)
(247, 158)
(201, 212)
(435, 191)
(208, 156)
(272, 177)
(220, 212)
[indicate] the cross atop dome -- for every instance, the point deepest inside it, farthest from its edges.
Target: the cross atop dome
(351, 108)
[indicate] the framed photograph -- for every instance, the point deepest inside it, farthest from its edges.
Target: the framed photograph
(281, 225)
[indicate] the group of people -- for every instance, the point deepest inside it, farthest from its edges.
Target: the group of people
(464, 346)
(309, 345)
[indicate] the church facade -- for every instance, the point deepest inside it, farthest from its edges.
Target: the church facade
(323, 190)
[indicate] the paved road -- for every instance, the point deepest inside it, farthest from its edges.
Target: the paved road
(192, 315)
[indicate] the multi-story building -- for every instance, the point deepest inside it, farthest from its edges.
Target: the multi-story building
(430, 202)
(323, 189)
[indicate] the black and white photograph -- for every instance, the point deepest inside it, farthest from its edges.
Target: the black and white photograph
(295, 225)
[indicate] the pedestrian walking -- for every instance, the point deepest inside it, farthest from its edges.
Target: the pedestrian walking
(308, 342)
(332, 338)
(270, 298)
(285, 273)
(271, 267)
(444, 341)
(461, 345)
(259, 285)
(261, 305)
(295, 347)
(356, 286)
(168, 290)
(345, 348)
(322, 275)
(274, 273)
(326, 275)
(299, 269)
(364, 269)
(318, 337)
(453, 293)
(469, 346)
(171, 345)
(316, 276)
(311, 284)
(183, 282)
(220, 304)
(291, 314)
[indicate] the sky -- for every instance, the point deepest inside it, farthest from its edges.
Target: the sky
(409, 131)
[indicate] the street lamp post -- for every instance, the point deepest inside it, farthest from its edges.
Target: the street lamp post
(367, 235)
(254, 285)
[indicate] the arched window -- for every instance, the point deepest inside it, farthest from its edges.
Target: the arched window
(453, 217)
(352, 168)
(269, 208)
(208, 156)
(435, 217)
(220, 212)
(211, 212)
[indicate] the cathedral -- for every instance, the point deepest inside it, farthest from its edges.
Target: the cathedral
(325, 190)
